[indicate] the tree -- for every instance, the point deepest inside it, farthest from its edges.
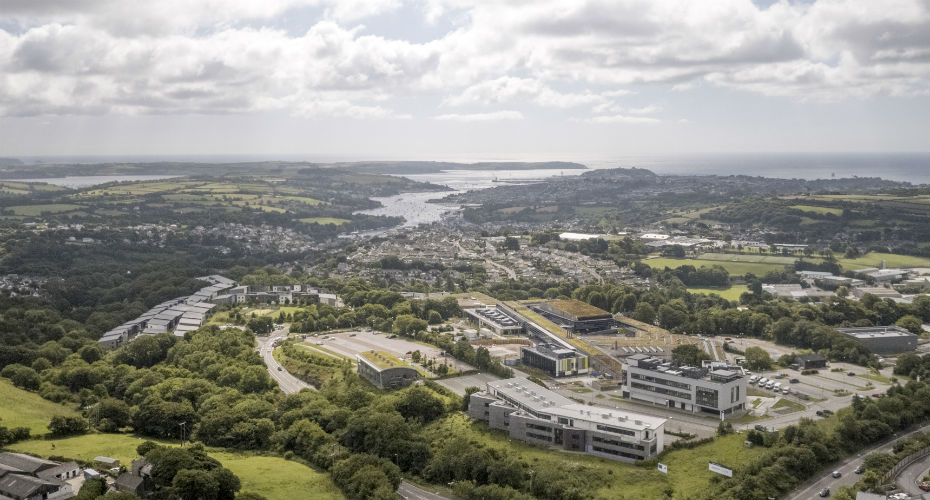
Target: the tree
(910, 323)
(191, 484)
(758, 359)
(689, 354)
(645, 313)
(67, 426)
(23, 377)
(420, 404)
(511, 244)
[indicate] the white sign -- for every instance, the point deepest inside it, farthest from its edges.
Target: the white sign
(663, 468)
(720, 469)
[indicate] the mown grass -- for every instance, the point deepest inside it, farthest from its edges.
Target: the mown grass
(874, 259)
(729, 293)
(784, 403)
(21, 408)
(273, 477)
(734, 268)
(750, 257)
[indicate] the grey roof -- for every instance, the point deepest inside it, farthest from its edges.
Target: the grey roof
(51, 473)
(810, 357)
(21, 486)
(869, 332)
(25, 463)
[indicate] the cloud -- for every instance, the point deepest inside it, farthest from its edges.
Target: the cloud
(633, 120)
(233, 56)
(482, 117)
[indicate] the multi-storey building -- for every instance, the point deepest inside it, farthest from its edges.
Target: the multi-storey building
(718, 389)
(532, 413)
(555, 360)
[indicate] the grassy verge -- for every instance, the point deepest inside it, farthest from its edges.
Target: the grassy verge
(790, 406)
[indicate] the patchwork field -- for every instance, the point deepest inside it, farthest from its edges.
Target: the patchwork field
(874, 259)
(818, 210)
(36, 210)
(324, 220)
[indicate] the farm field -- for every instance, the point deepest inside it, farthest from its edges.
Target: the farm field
(751, 257)
(731, 293)
(324, 220)
(26, 409)
(36, 210)
(818, 210)
(874, 259)
(737, 268)
(273, 477)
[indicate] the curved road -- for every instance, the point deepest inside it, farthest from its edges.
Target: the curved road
(909, 477)
(847, 467)
(291, 384)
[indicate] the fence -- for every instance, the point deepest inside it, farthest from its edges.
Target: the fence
(888, 479)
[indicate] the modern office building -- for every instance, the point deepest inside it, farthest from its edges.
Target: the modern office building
(384, 370)
(556, 360)
(575, 316)
(532, 413)
(495, 320)
(882, 339)
(718, 389)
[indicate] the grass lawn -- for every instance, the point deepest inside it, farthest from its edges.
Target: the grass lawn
(749, 257)
(729, 293)
(818, 210)
(324, 220)
(273, 477)
(874, 259)
(26, 409)
(36, 210)
(737, 268)
(784, 403)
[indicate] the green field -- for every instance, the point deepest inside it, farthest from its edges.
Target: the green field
(273, 477)
(874, 259)
(36, 210)
(26, 409)
(731, 293)
(734, 268)
(324, 220)
(750, 257)
(818, 210)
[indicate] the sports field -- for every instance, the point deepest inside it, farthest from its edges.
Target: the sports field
(734, 268)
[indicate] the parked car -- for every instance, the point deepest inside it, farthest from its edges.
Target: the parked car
(780, 376)
(837, 474)
(851, 374)
(860, 469)
(819, 413)
(794, 381)
(924, 486)
(786, 391)
(827, 413)
(759, 427)
(825, 492)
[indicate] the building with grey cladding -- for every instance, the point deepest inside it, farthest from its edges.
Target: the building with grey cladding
(717, 389)
(882, 339)
(532, 413)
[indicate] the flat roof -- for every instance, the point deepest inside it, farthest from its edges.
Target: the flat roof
(383, 360)
(577, 308)
(872, 332)
(542, 400)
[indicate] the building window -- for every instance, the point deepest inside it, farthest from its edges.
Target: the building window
(706, 397)
(615, 430)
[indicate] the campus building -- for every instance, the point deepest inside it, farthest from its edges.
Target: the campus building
(555, 360)
(882, 339)
(495, 320)
(575, 316)
(384, 370)
(718, 389)
(532, 413)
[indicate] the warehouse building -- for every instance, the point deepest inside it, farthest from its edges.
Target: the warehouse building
(556, 360)
(384, 370)
(882, 339)
(718, 388)
(532, 413)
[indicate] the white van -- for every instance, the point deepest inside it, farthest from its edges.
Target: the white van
(769, 385)
(752, 379)
(763, 381)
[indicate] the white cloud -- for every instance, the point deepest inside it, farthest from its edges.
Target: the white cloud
(231, 56)
(633, 120)
(482, 117)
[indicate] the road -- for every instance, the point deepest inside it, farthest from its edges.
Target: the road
(909, 477)
(811, 489)
(291, 384)
(287, 382)
(411, 492)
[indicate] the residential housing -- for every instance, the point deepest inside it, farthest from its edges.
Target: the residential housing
(532, 413)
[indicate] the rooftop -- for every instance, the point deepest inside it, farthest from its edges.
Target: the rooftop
(382, 359)
(871, 332)
(578, 308)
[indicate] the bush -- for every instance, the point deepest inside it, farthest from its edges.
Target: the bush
(67, 426)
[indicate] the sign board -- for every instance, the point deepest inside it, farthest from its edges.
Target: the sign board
(720, 469)
(663, 468)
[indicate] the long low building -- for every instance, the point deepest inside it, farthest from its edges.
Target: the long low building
(575, 316)
(532, 413)
(495, 320)
(882, 339)
(384, 370)
(718, 389)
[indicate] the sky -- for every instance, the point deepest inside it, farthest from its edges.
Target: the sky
(462, 79)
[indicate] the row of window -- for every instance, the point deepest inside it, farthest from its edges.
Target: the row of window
(539, 436)
(614, 442)
(538, 427)
(657, 380)
(661, 390)
(616, 452)
(615, 430)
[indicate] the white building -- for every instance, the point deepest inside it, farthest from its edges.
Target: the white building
(719, 389)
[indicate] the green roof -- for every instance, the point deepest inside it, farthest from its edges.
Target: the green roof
(578, 308)
(383, 359)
